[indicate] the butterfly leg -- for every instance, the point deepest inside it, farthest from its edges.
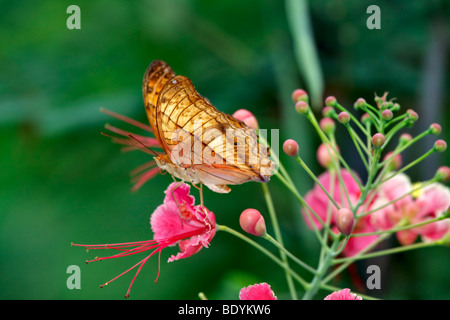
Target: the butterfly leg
(205, 211)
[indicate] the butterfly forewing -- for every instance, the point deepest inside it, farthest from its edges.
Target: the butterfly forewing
(155, 77)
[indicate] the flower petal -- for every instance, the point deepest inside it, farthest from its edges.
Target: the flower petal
(259, 291)
(343, 294)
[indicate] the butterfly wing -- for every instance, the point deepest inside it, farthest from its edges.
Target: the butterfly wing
(195, 134)
(155, 77)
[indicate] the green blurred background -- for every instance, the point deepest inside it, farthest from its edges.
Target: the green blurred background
(62, 182)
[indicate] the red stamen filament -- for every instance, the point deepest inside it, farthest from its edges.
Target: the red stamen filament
(138, 247)
(127, 120)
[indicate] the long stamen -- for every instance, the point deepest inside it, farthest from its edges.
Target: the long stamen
(143, 167)
(145, 177)
(127, 120)
(147, 141)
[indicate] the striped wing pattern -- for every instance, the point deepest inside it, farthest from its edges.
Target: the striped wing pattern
(216, 147)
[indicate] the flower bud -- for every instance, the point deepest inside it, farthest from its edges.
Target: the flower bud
(360, 103)
(330, 101)
(395, 107)
(290, 147)
(326, 155)
(385, 105)
(301, 107)
(343, 117)
(299, 95)
(252, 222)
(412, 115)
(327, 125)
(394, 163)
(345, 221)
(328, 111)
(440, 145)
(246, 117)
(365, 118)
(405, 138)
(378, 140)
(443, 174)
(387, 114)
(435, 129)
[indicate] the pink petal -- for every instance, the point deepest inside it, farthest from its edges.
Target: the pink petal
(396, 187)
(181, 193)
(356, 244)
(260, 291)
(343, 294)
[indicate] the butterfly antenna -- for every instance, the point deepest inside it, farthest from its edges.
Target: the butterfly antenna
(141, 143)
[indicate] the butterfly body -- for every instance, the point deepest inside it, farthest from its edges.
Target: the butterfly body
(201, 144)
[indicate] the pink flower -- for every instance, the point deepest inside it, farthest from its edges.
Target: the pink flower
(392, 189)
(176, 221)
(432, 202)
(320, 204)
(259, 291)
(133, 141)
(343, 294)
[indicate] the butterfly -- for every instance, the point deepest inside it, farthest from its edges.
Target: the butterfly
(200, 143)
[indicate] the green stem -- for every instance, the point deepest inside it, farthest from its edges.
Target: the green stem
(324, 138)
(423, 185)
(321, 270)
(309, 210)
(299, 279)
(386, 252)
(289, 254)
(343, 266)
(278, 236)
(402, 227)
(411, 164)
(311, 174)
(353, 118)
(399, 150)
(357, 145)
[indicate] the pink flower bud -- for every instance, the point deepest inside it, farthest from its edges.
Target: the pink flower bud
(328, 111)
(246, 117)
(301, 107)
(412, 115)
(365, 118)
(387, 114)
(396, 162)
(360, 103)
(378, 140)
(405, 138)
(330, 101)
(385, 105)
(443, 174)
(290, 147)
(343, 117)
(345, 221)
(327, 125)
(299, 95)
(252, 222)
(435, 129)
(326, 155)
(440, 145)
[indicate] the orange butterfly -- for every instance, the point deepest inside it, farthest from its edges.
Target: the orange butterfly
(201, 144)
